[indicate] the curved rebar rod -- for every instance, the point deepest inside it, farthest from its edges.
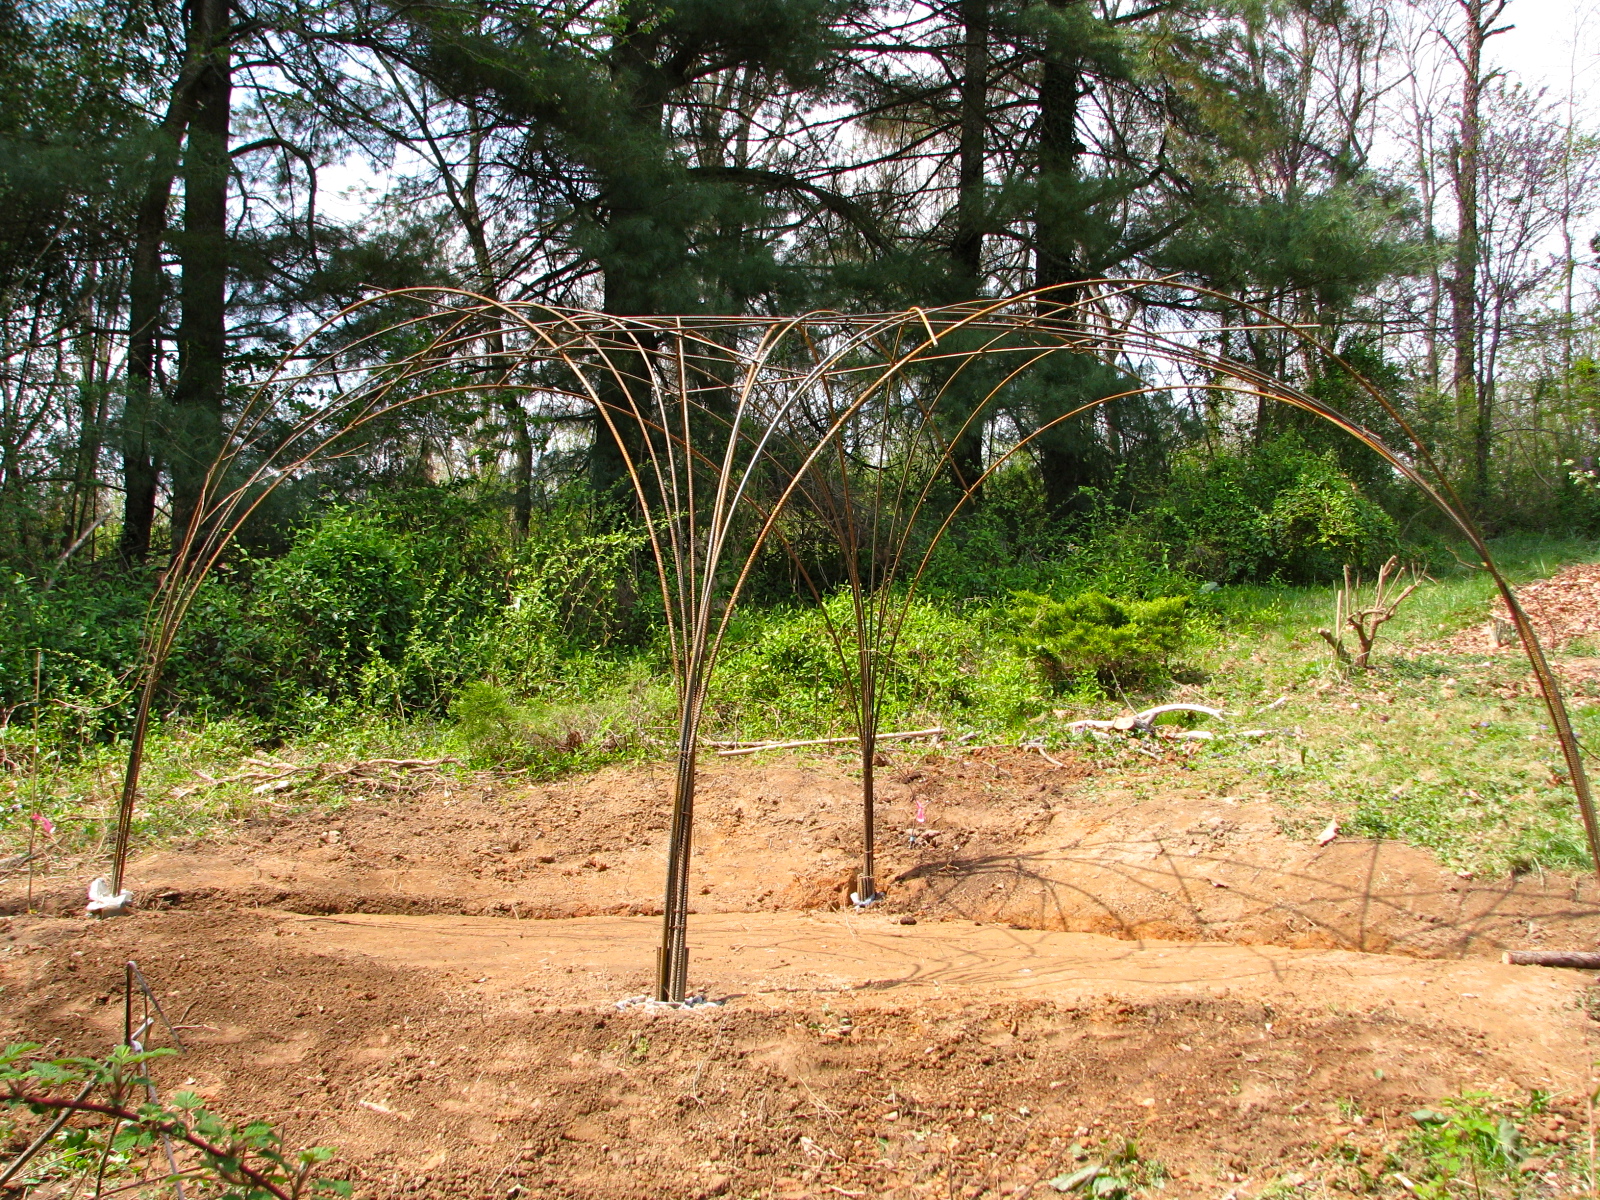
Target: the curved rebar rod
(835, 373)
(877, 632)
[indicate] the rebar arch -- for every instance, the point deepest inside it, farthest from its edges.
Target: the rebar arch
(722, 423)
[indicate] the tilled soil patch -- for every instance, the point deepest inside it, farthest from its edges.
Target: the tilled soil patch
(448, 1059)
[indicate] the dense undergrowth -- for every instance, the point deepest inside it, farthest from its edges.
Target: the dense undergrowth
(413, 625)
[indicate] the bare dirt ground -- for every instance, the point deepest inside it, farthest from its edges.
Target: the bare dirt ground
(1005, 836)
(484, 1057)
(429, 983)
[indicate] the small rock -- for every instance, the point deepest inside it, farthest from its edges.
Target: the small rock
(715, 1186)
(908, 919)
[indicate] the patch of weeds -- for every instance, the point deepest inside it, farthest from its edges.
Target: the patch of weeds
(111, 1127)
(1589, 1002)
(1470, 1144)
(1446, 752)
(1300, 828)
(551, 736)
(1120, 1174)
(1423, 666)
(1487, 828)
(186, 789)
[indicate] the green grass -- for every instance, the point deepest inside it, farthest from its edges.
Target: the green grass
(1445, 751)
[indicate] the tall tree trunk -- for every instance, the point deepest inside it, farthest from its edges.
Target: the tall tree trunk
(619, 386)
(1063, 464)
(508, 398)
(630, 285)
(1474, 403)
(1059, 151)
(966, 243)
(141, 467)
(489, 284)
(198, 398)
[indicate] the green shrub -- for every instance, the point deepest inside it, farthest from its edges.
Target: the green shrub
(783, 674)
(1122, 642)
(1013, 543)
(1277, 512)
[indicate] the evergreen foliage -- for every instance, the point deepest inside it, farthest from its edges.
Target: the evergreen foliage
(172, 218)
(1121, 643)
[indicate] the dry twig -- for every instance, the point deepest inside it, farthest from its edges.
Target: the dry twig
(1364, 622)
(270, 776)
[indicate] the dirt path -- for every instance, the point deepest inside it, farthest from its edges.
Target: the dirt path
(740, 955)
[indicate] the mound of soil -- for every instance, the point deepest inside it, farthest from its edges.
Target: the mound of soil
(1002, 836)
(487, 1058)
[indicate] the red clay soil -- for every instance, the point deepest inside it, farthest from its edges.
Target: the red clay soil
(373, 978)
(485, 1057)
(1006, 836)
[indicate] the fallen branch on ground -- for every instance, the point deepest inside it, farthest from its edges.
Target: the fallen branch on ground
(755, 747)
(1144, 722)
(1582, 959)
(271, 776)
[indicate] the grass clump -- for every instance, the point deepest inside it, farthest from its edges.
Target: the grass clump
(547, 736)
(1477, 1145)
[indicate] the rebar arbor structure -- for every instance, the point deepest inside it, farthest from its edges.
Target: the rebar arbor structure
(720, 426)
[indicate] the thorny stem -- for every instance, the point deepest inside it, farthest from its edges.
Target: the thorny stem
(105, 1156)
(120, 1113)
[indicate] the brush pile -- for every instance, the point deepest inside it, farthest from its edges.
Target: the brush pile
(269, 775)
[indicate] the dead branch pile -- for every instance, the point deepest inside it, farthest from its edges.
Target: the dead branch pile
(269, 775)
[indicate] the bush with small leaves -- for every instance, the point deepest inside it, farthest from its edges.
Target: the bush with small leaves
(110, 1098)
